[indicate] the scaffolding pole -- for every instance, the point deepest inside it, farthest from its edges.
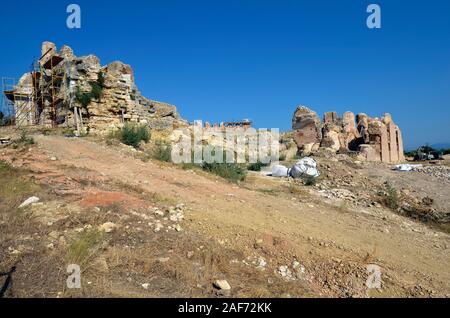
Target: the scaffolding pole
(37, 103)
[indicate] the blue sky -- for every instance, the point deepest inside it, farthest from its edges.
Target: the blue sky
(229, 60)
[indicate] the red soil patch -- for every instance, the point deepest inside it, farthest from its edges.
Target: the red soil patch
(97, 198)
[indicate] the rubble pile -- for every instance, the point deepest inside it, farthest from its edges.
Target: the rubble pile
(421, 208)
(169, 219)
(440, 172)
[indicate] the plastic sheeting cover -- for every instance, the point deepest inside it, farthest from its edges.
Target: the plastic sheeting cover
(306, 167)
(280, 171)
(407, 167)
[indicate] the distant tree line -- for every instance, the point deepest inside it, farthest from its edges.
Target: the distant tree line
(427, 149)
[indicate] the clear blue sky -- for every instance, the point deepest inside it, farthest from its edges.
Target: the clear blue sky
(227, 60)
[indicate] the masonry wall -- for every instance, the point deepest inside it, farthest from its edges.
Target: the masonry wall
(376, 139)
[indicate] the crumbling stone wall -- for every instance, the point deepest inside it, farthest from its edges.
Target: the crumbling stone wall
(23, 102)
(375, 139)
(120, 100)
(307, 129)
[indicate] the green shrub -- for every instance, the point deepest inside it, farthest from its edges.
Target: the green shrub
(25, 139)
(84, 99)
(392, 198)
(96, 91)
(143, 133)
(257, 166)
(82, 248)
(162, 152)
(231, 171)
(132, 134)
(113, 134)
(101, 80)
(309, 181)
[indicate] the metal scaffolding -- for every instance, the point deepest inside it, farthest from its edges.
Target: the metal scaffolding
(17, 105)
(49, 76)
(38, 102)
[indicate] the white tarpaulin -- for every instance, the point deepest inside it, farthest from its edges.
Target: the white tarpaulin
(407, 167)
(306, 167)
(280, 171)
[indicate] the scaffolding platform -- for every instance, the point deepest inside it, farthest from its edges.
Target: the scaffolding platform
(52, 62)
(39, 100)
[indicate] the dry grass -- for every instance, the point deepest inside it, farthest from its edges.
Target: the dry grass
(14, 189)
(343, 207)
(392, 199)
(159, 199)
(160, 136)
(371, 256)
(296, 190)
(267, 191)
(83, 248)
(140, 192)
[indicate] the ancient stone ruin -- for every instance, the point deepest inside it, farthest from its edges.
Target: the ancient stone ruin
(65, 90)
(374, 139)
(245, 124)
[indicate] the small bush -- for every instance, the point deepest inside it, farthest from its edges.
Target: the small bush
(96, 93)
(257, 166)
(45, 131)
(309, 181)
(25, 139)
(101, 80)
(81, 249)
(410, 153)
(67, 131)
(231, 171)
(132, 135)
(84, 99)
(162, 152)
(113, 135)
(392, 198)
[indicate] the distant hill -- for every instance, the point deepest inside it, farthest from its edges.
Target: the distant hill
(442, 145)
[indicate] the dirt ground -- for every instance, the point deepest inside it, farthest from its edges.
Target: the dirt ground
(174, 231)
